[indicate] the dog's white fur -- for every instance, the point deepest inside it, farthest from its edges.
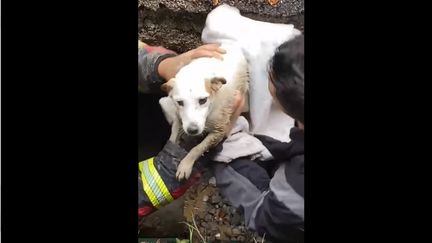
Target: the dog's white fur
(210, 79)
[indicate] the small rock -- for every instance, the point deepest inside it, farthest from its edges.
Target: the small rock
(212, 181)
(226, 218)
(200, 215)
(236, 232)
(205, 198)
(204, 224)
(212, 211)
(218, 236)
(201, 229)
(217, 206)
(215, 199)
(221, 204)
(241, 238)
(228, 232)
(226, 209)
(208, 218)
(235, 219)
(213, 227)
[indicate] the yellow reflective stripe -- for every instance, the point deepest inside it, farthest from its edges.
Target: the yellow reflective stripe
(159, 181)
(146, 186)
(152, 183)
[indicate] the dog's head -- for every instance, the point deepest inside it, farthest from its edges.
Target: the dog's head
(193, 96)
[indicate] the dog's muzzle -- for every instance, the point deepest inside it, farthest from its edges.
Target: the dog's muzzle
(192, 129)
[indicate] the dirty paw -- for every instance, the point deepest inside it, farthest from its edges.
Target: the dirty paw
(184, 170)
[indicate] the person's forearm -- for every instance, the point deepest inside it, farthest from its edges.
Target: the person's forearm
(150, 75)
(165, 68)
(157, 185)
(157, 65)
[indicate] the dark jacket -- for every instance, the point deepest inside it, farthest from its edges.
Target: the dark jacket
(271, 193)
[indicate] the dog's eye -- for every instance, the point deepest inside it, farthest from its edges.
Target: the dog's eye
(202, 101)
(180, 103)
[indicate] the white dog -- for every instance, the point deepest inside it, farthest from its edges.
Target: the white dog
(200, 99)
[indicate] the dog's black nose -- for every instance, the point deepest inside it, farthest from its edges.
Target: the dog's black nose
(192, 129)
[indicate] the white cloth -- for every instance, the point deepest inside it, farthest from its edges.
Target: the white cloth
(258, 41)
(240, 143)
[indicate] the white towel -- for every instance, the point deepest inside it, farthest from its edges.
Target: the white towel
(258, 40)
(240, 143)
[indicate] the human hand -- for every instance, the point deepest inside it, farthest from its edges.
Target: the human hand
(169, 67)
(239, 103)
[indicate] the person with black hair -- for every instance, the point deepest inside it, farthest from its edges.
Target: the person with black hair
(271, 193)
(286, 78)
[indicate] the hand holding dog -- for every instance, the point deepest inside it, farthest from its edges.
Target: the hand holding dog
(169, 67)
(239, 103)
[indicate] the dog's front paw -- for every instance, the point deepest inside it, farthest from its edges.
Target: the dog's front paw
(184, 169)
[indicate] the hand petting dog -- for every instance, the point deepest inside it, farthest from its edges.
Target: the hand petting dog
(169, 67)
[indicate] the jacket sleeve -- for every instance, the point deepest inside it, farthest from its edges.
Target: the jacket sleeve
(279, 213)
(157, 183)
(282, 150)
(276, 211)
(149, 58)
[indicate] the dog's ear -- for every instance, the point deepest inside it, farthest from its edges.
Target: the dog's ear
(168, 109)
(216, 83)
(167, 86)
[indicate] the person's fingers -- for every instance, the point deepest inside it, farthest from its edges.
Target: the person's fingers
(237, 99)
(205, 53)
(221, 50)
(208, 50)
(213, 47)
(209, 46)
(240, 105)
(239, 102)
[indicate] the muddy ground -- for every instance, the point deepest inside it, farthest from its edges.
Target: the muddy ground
(204, 208)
